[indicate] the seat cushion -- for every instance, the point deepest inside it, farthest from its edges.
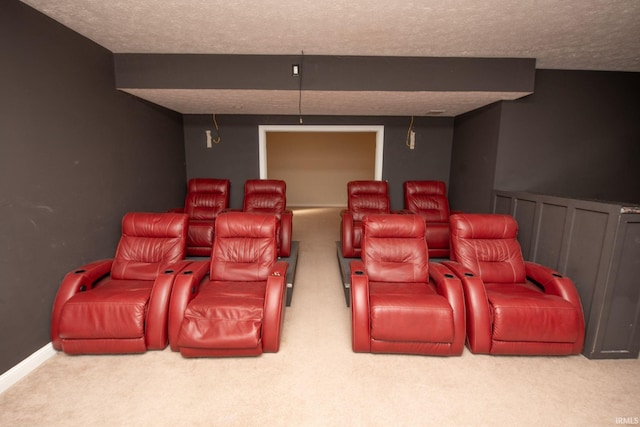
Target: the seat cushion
(409, 312)
(224, 315)
(437, 234)
(114, 309)
(200, 233)
(522, 312)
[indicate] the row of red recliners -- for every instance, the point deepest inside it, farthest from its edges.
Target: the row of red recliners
(149, 295)
(485, 294)
(207, 198)
(427, 199)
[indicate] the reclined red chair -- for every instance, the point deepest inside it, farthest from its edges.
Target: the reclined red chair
(206, 198)
(233, 305)
(363, 197)
(513, 306)
(121, 305)
(429, 200)
(270, 196)
(401, 302)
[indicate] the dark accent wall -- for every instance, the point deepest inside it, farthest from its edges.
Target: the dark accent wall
(75, 155)
(236, 157)
(475, 147)
(577, 136)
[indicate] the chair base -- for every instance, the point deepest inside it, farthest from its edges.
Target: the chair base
(345, 273)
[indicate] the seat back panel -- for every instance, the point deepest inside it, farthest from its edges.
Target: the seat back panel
(245, 247)
(394, 248)
(487, 245)
(149, 243)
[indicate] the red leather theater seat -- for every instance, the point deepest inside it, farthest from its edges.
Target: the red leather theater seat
(120, 305)
(401, 302)
(233, 305)
(363, 197)
(428, 199)
(206, 198)
(513, 306)
(270, 196)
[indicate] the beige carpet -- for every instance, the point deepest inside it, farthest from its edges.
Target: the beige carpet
(316, 380)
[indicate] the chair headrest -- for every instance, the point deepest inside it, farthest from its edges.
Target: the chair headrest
(425, 187)
(273, 186)
(245, 224)
(368, 187)
(483, 226)
(394, 226)
(208, 185)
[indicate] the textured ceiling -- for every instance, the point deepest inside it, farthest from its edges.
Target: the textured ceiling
(560, 34)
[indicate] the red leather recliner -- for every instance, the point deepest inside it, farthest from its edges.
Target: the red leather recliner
(513, 306)
(206, 198)
(270, 196)
(233, 305)
(401, 302)
(363, 197)
(429, 200)
(120, 305)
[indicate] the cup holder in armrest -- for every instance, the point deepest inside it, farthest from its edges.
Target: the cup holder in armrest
(168, 271)
(358, 272)
(79, 271)
(557, 275)
(467, 274)
(449, 276)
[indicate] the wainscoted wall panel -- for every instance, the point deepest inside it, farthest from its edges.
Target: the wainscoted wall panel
(597, 245)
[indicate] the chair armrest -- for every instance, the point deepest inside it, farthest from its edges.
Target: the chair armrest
(76, 281)
(449, 286)
(360, 312)
(158, 312)
(346, 227)
(477, 306)
(555, 283)
(286, 229)
(185, 288)
(274, 307)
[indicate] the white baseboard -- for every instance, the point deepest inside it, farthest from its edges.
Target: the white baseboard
(25, 367)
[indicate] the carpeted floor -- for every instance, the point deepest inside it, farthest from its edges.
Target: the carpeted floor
(316, 380)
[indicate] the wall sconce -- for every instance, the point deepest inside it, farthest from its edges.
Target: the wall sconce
(411, 136)
(210, 139)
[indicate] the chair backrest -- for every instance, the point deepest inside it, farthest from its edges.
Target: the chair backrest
(427, 199)
(149, 243)
(244, 247)
(394, 248)
(206, 197)
(265, 196)
(487, 245)
(367, 197)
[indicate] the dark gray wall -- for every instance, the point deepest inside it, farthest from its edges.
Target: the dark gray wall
(475, 147)
(577, 136)
(236, 157)
(75, 155)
